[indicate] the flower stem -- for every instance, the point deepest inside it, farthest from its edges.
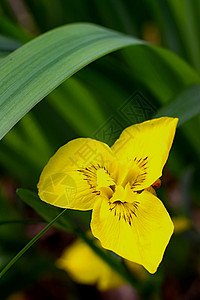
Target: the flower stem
(16, 257)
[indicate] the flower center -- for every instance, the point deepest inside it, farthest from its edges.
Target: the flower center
(119, 184)
(117, 181)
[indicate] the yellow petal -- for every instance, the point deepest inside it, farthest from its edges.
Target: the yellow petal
(147, 145)
(69, 179)
(85, 267)
(139, 233)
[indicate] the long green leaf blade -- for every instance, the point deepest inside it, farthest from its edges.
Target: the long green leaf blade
(49, 212)
(14, 260)
(185, 106)
(35, 69)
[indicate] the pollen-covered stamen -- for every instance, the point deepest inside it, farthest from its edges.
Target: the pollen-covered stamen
(125, 211)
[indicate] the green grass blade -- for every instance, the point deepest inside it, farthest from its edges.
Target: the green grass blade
(35, 69)
(185, 106)
(15, 259)
(83, 112)
(49, 212)
(192, 39)
(163, 73)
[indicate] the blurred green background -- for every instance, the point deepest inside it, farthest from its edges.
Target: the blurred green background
(99, 102)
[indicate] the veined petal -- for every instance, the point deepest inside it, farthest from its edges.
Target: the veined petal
(69, 179)
(147, 145)
(138, 232)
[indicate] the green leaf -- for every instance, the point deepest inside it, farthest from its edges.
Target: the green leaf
(35, 69)
(192, 39)
(11, 263)
(179, 24)
(163, 73)
(83, 112)
(48, 212)
(185, 106)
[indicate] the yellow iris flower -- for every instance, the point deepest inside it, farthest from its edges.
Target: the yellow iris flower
(85, 267)
(116, 183)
